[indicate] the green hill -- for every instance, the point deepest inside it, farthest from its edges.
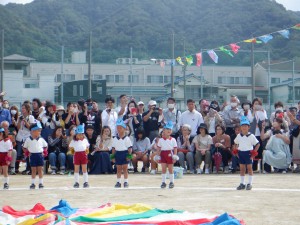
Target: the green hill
(39, 29)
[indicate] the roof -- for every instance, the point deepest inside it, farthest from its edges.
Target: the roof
(16, 57)
(281, 65)
(287, 82)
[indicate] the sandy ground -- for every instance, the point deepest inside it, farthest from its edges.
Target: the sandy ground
(273, 199)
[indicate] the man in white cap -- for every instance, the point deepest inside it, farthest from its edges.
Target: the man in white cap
(152, 120)
(172, 114)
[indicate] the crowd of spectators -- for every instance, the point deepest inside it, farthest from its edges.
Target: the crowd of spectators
(201, 131)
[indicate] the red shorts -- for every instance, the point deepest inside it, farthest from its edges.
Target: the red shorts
(80, 158)
(166, 157)
(2, 159)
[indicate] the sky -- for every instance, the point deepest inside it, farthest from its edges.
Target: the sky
(288, 4)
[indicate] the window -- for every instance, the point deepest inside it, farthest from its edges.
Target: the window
(110, 78)
(94, 77)
(167, 79)
(31, 85)
(275, 80)
(135, 78)
(74, 90)
(81, 90)
(119, 78)
(155, 79)
(67, 77)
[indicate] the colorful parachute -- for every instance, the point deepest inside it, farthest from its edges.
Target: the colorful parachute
(64, 214)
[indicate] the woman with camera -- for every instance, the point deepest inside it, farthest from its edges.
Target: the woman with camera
(23, 125)
(57, 148)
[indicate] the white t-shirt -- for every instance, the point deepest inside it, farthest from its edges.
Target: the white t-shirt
(79, 145)
(167, 144)
(194, 119)
(5, 145)
(110, 119)
(245, 142)
(24, 132)
(35, 145)
(121, 144)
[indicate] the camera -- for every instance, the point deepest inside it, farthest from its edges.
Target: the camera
(21, 117)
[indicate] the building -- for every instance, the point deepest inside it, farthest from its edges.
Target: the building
(24, 78)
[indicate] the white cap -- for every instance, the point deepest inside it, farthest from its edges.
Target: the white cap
(140, 103)
(152, 102)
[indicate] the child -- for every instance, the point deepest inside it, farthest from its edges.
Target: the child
(243, 148)
(121, 152)
(80, 147)
(167, 149)
(5, 156)
(36, 147)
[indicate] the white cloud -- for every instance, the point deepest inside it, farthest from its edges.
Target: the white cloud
(290, 4)
(4, 2)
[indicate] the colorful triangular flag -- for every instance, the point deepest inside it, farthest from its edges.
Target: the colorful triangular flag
(252, 40)
(179, 60)
(297, 26)
(266, 38)
(189, 60)
(199, 59)
(284, 33)
(213, 55)
(235, 48)
(226, 51)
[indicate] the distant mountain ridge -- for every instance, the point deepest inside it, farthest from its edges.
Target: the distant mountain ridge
(39, 29)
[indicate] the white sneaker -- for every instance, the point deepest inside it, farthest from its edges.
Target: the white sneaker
(214, 170)
(62, 172)
(206, 171)
(153, 172)
(53, 172)
(198, 171)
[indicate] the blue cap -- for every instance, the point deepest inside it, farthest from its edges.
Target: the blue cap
(1, 129)
(169, 125)
(36, 126)
(244, 121)
(121, 123)
(79, 129)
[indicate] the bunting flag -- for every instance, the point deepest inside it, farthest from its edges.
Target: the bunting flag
(179, 60)
(213, 55)
(235, 48)
(266, 38)
(284, 33)
(226, 51)
(162, 64)
(297, 26)
(189, 60)
(199, 59)
(109, 214)
(184, 61)
(252, 40)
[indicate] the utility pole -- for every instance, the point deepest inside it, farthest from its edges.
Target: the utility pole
(62, 76)
(252, 70)
(90, 67)
(269, 81)
(131, 80)
(184, 72)
(2, 60)
(293, 76)
(201, 79)
(172, 65)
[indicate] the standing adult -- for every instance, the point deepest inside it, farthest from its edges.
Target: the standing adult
(89, 117)
(232, 115)
(172, 114)
(71, 116)
(152, 120)
(122, 108)
(204, 107)
(109, 116)
(36, 107)
(191, 117)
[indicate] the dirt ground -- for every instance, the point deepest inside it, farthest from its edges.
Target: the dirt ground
(273, 199)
